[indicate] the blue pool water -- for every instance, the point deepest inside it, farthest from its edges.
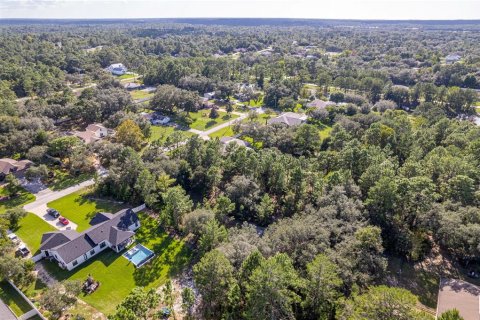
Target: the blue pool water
(139, 255)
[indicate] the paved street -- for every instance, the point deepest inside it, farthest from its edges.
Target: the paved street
(39, 206)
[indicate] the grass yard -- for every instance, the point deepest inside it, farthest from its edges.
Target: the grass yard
(12, 299)
(139, 94)
(21, 199)
(64, 179)
(31, 230)
(225, 132)
(118, 276)
(127, 76)
(79, 209)
(325, 132)
(163, 132)
(201, 121)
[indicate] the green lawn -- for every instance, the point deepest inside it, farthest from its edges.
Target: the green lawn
(138, 94)
(64, 179)
(325, 132)
(201, 121)
(12, 299)
(126, 76)
(163, 132)
(79, 209)
(118, 276)
(31, 230)
(21, 199)
(225, 132)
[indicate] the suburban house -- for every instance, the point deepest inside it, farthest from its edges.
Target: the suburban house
(209, 95)
(460, 295)
(117, 69)
(93, 132)
(13, 166)
(319, 104)
(452, 58)
(160, 120)
(70, 248)
(230, 140)
(289, 119)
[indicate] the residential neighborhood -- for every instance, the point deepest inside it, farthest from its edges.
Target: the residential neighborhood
(238, 168)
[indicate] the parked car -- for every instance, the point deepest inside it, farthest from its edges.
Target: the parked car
(63, 221)
(13, 237)
(22, 251)
(54, 213)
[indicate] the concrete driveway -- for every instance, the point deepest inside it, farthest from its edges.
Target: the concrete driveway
(39, 206)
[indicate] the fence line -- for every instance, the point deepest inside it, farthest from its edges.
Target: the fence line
(28, 301)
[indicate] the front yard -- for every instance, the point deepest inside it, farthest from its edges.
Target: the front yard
(30, 230)
(80, 208)
(63, 179)
(118, 276)
(202, 121)
(163, 132)
(21, 199)
(139, 94)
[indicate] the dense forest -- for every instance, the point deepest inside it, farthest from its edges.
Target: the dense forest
(306, 222)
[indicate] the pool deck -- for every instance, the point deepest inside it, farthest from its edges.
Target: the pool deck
(132, 251)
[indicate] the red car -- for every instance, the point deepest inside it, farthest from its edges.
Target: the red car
(63, 221)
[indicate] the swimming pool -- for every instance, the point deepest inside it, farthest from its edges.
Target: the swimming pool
(139, 255)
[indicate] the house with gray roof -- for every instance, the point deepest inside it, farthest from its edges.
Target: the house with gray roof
(71, 248)
(289, 119)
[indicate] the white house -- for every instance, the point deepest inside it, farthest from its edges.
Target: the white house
(452, 58)
(70, 248)
(209, 95)
(93, 132)
(160, 120)
(116, 69)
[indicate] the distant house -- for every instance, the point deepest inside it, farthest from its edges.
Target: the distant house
(70, 248)
(319, 104)
(13, 166)
(156, 120)
(209, 95)
(289, 119)
(116, 69)
(460, 295)
(452, 58)
(229, 140)
(92, 133)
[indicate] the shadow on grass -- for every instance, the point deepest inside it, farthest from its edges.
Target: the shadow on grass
(172, 255)
(20, 199)
(67, 180)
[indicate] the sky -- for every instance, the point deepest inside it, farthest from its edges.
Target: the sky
(312, 9)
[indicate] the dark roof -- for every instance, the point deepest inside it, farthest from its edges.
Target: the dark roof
(54, 239)
(100, 217)
(117, 235)
(70, 244)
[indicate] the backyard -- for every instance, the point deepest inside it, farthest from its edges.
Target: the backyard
(80, 208)
(22, 198)
(13, 300)
(118, 276)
